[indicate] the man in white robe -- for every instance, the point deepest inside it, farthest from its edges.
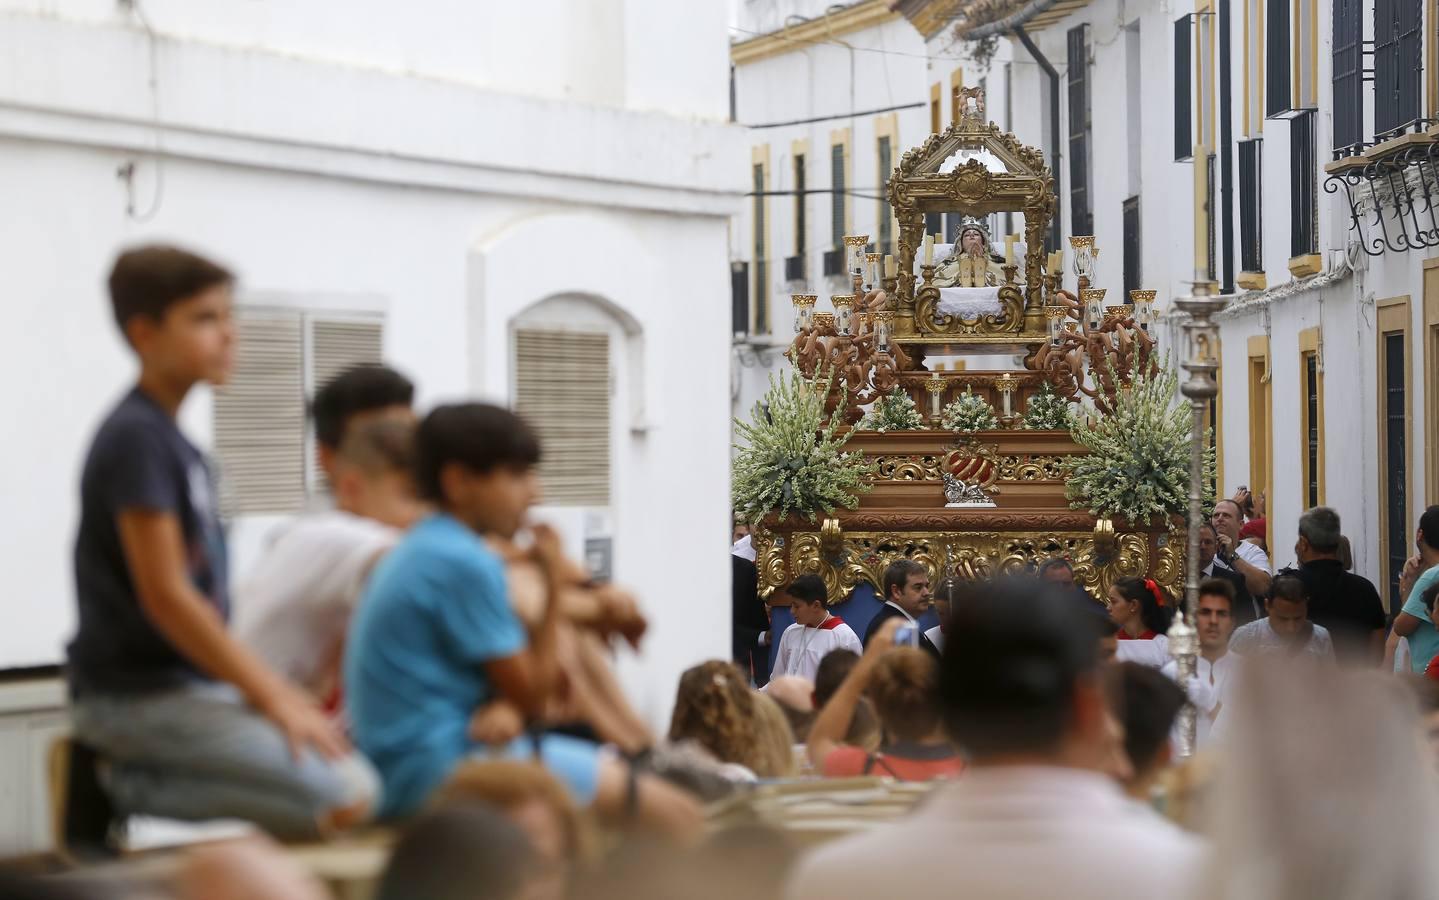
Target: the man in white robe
(815, 631)
(1209, 688)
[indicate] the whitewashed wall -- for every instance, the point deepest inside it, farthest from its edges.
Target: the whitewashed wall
(442, 161)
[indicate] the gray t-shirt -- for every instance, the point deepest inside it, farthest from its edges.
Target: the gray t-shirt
(139, 461)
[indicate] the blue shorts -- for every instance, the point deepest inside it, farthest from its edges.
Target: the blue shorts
(575, 762)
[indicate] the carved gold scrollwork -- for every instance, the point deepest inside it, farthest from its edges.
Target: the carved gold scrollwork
(1029, 467)
(769, 558)
(1169, 560)
(863, 557)
(1010, 320)
(907, 468)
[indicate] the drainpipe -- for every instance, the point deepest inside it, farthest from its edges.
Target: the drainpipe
(1053, 75)
(1226, 150)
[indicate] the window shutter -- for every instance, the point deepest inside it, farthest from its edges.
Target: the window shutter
(1183, 112)
(1081, 220)
(1278, 98)
(259, 416)
(1303, 200)
(761, 254)
(1251, 205)
(337, 345)
(562, 388)
(1348, 75)
(837, 196)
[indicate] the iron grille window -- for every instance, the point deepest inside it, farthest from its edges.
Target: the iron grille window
(1277, 91)
(739, 297)
(837, 196)
(1183, 72)
(1251, 207)
(886, 219)
(800, 198)
(1131, 246)
(1081, 217)
(794, 268)
(761, 264)
(1395, 476)
(833, 262)
(1397, 66)
(1303, 202)
(933, 223)
(1348, 68)
(1211, 193)
(1311, 449)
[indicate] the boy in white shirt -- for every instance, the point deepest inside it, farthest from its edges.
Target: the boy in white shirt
(294, 605)
(815, 631)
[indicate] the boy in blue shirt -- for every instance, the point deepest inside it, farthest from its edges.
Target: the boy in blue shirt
(1420, 572)
(434, 638)
(190, 724)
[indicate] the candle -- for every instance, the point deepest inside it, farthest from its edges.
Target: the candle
(929, 249)
(1009, 249)
(891, 266)
(1201, 200)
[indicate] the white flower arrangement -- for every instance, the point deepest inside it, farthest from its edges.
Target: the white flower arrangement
(1047, 411)
(968, 412)
(1137, 467)
(792, 458)
(894, 411)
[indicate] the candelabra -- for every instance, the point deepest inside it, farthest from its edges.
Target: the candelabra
(1202, 364)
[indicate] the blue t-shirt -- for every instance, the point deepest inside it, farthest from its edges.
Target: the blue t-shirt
(139, 460)
(1424, 642)
(435, 611)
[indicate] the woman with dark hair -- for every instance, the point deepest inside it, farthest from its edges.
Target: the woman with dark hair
(1140, 608)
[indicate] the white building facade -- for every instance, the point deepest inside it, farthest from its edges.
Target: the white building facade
(832, 96)
(526, 203)
(1331, 343)
(1328, 348)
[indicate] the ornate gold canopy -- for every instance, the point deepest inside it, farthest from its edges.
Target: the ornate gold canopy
(997, 174)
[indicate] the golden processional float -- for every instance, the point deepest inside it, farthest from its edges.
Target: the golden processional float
(960, 325)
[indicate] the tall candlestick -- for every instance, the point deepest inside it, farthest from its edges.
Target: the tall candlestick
(929, 249)
(891, 266)
(1009, 249)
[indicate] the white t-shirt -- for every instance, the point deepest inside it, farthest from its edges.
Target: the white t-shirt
(294, 606)
(1252, 554)
(802, 647)
(1152, 652)
(1011, 833)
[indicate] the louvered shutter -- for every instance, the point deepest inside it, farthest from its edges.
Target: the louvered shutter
(562, 388)
(259, 416)
(336, 346)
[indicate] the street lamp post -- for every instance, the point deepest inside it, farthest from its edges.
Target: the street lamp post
(1201, 363)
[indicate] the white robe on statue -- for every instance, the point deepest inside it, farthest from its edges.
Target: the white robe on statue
(802, 647)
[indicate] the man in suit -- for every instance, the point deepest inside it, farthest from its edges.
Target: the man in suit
(749, 621)
(906, 593)
(1244, 607)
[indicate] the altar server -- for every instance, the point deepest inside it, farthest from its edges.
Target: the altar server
(815, 631)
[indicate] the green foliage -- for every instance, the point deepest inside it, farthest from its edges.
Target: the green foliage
(894, 411)
(969, 412)
(792, 459)
(1138, 462)
(1047, 411)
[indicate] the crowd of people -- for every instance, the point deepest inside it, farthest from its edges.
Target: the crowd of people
(424, 656)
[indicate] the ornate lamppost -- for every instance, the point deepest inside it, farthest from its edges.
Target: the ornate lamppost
(1201, 363)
